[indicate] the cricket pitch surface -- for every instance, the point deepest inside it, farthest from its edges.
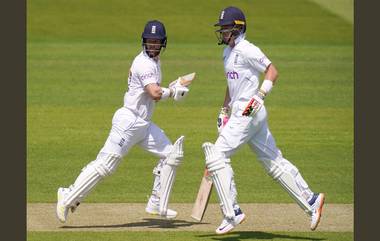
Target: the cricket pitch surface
(132, 217)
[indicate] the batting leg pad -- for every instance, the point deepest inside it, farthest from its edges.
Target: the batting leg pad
(221, 177)
(233, 190)
(156, 179)
(175, 157)
(168, 173)
(291, 180)
(103, 166)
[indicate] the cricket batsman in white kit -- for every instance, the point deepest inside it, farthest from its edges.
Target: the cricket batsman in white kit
(243, 119)
(132, 125)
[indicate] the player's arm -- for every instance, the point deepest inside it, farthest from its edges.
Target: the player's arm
(161, 93)
(223, 116)
(227, 98)
(149, 78)
(155, 91)
(271, 75)
(258, 61)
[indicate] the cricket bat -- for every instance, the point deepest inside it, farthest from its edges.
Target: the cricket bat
(203, 197)
(185, 80)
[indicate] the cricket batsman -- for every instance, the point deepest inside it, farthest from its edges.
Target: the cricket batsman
(132, 125)
(243, 119)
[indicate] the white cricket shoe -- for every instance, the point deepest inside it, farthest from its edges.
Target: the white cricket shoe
(316, 203)
(62, 210)
(228, 224)
(154, 209)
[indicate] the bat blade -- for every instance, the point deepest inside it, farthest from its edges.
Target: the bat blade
(186, 80)
(204, 193)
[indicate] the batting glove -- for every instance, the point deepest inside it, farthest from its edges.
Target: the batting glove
(222, 119)
(179, 92)
(254, 105)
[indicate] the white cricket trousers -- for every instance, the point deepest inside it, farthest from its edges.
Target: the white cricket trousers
(128, 130)
(254, 131)
(246, 129)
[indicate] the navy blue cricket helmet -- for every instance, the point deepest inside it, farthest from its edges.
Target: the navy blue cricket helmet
(234, 17)
(154, 29)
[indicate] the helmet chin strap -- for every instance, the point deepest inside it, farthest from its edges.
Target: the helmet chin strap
(221, 40)
(229, 39)
(237, 36)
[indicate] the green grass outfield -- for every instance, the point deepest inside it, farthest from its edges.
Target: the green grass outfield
(78, 57)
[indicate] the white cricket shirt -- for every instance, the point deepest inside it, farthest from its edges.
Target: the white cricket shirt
(144, 71)
(243, 65)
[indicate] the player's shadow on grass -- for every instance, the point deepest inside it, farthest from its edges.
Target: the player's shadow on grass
(147, 223)
(248, 235)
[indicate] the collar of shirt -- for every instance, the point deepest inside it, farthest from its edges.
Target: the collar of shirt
(240, 38)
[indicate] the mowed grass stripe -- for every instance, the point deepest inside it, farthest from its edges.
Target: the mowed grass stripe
(272, 21)
(342, 8)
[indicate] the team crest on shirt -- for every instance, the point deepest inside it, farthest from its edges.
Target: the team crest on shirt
(236, 59)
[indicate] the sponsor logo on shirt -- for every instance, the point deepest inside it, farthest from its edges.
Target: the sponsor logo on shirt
(147, 76)
(232, 75)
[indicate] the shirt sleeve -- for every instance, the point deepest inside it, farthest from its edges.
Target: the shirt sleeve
(257, 59)
(147, 74)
